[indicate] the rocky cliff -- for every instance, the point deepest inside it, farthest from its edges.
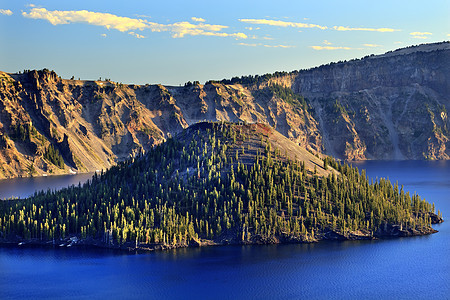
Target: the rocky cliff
(90, 125)
(392, 106)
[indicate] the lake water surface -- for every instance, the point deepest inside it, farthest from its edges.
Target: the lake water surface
(406, 268)
(26, 186)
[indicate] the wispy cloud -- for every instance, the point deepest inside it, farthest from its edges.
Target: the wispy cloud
(136, 35)
(143, 16)
(279, 46)
(420, 35)
(255, 37)
(103, 35)
(264, 45)
(57, 17)
(125, 24)
(330, 48)
(371, 45)
(281, 23)
(198, 19)
(308, 25)
(326, 42)
(6, 12)
(182, 29)
(342, 28)
(250, 45)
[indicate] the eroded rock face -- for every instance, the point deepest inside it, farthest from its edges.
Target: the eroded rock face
(90, 124)
(94, 124)
(392, 106)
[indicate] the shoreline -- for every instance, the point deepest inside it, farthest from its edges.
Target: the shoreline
(393, 232)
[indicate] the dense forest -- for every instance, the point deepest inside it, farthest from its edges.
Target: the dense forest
(217, 183)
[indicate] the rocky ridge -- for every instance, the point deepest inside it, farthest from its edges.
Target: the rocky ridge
(391, 106)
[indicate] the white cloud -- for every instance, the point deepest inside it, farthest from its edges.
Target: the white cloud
(342, 28)
(57, 17)
(250, 45)
(181, 29)
(198, 19)
(104, 35)
(326, 42)
(281, 23)
(330, 48)
(420, 35)
(255, 37)
(125, 24)
(278, 46)
(136, 35)
(371, 45)
(307, 25)
(266, 46)
(6, 12)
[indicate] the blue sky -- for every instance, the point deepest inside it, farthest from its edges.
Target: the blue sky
(172, 42)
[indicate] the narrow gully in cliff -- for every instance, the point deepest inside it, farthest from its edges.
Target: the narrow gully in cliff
(386, 116)
(325, 137)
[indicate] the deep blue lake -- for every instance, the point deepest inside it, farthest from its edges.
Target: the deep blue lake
(26, 186)
(406, 268)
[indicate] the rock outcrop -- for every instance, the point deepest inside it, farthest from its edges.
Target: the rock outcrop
(391, 106)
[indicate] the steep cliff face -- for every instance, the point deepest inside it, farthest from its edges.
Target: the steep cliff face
(90, 125)
(391, 106)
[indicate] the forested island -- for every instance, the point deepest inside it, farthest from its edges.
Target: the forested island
(219, 183)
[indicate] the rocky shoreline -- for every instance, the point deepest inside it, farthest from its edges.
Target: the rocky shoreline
(385, 232)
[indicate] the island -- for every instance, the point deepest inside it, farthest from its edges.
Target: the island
(218, 183)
